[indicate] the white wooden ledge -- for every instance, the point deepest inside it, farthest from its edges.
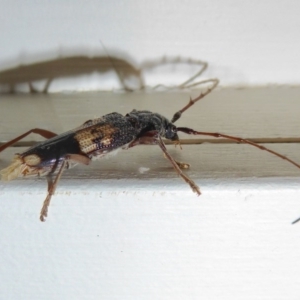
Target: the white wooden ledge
(128, 228)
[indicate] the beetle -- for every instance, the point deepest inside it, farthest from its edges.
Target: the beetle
(99, 137)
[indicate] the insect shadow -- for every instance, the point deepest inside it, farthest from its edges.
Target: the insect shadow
(99, 137)
(175, 64)
(68, 67)
(129, 74)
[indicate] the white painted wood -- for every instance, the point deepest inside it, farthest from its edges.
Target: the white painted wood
(128, 228)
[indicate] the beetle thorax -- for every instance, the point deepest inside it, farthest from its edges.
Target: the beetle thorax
(146, 121)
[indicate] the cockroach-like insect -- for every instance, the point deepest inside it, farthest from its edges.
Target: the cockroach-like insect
(98, 137)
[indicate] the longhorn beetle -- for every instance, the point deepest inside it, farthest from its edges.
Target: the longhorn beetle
(98, 137)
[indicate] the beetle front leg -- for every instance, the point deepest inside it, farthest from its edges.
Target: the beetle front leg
(148, 139)
(188, 180)
(153, 138)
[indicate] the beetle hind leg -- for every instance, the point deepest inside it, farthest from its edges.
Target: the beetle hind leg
(78, 158)
(181, 165)
(51, 190)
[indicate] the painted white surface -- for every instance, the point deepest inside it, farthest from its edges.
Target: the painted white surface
(245, 42)
(131, 241)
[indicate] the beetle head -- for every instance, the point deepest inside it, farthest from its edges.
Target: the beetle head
(171, 133)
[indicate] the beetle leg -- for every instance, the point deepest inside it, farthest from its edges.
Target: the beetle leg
(79, 158)
(189, 181)
(153, 138)
(51, 190)
(49, 181)
(53, 183)
(44, 133)
(148, 139)
(181, 165)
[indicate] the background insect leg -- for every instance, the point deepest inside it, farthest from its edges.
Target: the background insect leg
(150, 65)
(44, 133)
(198, 74)
(31, 88)
(46, 87)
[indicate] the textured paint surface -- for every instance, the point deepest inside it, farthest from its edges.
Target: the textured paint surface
(132, 239)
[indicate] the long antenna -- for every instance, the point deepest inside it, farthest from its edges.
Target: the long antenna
(214, 81)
